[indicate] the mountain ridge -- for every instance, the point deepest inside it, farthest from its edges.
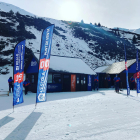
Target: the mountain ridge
(95, 45)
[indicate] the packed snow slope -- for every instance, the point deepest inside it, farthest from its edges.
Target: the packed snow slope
(102, 115)
(96, 45)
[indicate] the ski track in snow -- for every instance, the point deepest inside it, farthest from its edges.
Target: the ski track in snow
(102, 115)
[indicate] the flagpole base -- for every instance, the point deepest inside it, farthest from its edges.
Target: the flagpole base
(35, 105)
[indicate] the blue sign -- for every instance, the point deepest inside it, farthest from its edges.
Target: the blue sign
(33, 67)
(44, 63)
(54, 87)
(18, 73)
(89, 83)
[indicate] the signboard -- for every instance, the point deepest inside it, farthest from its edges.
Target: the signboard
(54, 87)
(73, 82)
(33, 67)
(89, 82)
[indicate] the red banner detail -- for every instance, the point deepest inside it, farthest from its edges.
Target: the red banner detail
(44, 64)
(73, 82)
(18, 77)
(138, 73)
(126, 65)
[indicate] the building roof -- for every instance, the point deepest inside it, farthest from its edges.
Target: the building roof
(100, 69)
(118, 67)
(68, 64)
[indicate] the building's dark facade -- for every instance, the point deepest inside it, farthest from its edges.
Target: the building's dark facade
(65, 74)
(119, 69)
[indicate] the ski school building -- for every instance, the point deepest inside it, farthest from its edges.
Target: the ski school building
(116, 68)
(65, 74)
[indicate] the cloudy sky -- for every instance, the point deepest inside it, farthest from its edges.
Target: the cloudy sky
(110, 13)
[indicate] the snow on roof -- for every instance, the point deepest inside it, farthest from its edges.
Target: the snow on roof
(100, 69)
(68, 64)
(118, 67)
(72, 65)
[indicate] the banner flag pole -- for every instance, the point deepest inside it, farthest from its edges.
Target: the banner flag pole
(18, 73)
(137, 72)
(128, 89)
(44, 62)
(35, 105)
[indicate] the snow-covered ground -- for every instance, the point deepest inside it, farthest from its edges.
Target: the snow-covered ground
(102, 115)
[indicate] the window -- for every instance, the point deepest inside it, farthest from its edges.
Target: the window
(57, 78)
(77, 80)
(33, 79)
(84, 80)
(81, 82)
(50, 78)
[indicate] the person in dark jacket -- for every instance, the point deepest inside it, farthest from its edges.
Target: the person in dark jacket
(117, 83)
(109, 81)
(10, 81)
(96, 82)
(26, 84)
(132, 82)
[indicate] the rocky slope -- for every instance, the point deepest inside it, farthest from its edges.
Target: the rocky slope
(95, 45)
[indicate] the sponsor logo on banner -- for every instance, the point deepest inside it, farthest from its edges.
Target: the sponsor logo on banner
(18, 73)
(18, 77)
(137, 66)
(44, 63)
(42, 87)
(41, 97)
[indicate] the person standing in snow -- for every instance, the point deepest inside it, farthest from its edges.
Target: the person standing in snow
(117, 83)
(109, 81)
(136, 81)
(10, 81)
(96, 82)
(132, 81)
(26, 84)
